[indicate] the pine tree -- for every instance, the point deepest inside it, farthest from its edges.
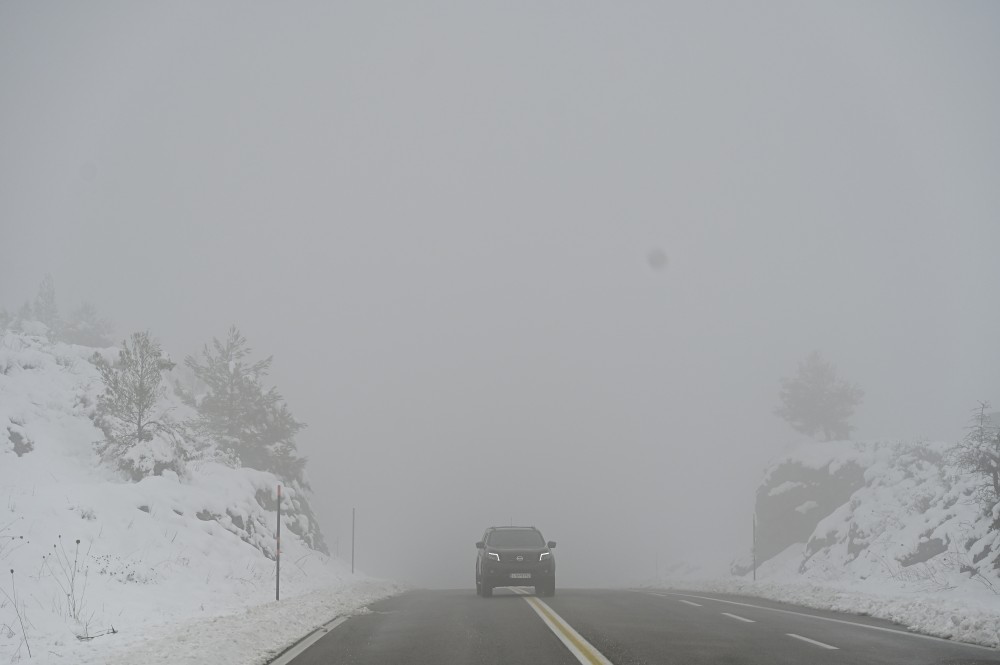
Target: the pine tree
(240, 414)
(24, 314)
(252, 424)
(978, 453)
(129, 411)
(87, 327)
(45, 309)
(815, 401)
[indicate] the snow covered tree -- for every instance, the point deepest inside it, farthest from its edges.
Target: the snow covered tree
(6, 318)
(815, 401)
(45, 309)
(87, 327)
(978, 453)
(129, 411)
(24, 319)
(253, 423)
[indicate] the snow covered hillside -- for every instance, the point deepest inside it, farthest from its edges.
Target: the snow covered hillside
(94, 566)
(889, 529)
(863, 511)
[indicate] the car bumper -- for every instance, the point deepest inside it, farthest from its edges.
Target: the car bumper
(499, 574)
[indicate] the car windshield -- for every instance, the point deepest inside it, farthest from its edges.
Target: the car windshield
(516, 538)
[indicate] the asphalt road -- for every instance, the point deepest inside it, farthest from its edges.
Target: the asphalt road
(621, 627)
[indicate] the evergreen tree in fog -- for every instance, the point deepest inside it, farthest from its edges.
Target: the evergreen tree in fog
(245, 419)
(87, 327)
(816, 402)
(24, 312)
(978, 453)
(45, 309)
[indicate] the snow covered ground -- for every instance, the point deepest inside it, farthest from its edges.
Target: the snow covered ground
(886, 529)
(180, 566)
(250, 637)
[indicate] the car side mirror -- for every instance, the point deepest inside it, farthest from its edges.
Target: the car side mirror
(480, 545)
(551, 544)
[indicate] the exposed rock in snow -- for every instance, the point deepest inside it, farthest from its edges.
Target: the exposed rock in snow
(880, 509)
(889, 529)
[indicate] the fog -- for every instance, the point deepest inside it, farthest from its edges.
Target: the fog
(521, 263)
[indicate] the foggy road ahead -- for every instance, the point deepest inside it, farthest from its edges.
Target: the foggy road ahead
(621, 627)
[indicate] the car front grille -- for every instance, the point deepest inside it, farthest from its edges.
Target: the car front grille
(512, 557)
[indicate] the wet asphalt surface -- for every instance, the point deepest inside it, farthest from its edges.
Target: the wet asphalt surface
(626, 627)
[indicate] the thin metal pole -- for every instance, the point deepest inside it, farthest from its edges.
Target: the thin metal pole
(754, 547)
(352, 539)
(277, 556)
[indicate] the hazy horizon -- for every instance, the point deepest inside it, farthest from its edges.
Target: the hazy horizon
(439, 220)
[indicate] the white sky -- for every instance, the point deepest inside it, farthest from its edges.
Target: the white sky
(437, 219)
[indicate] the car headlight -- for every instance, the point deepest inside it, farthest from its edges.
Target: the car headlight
(493, 555)
(544, 555)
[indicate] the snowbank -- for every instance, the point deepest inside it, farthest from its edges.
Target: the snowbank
(252, 637)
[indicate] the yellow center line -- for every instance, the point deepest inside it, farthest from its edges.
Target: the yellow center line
(584, 647)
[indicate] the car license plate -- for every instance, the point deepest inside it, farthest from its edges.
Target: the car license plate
(520, 576)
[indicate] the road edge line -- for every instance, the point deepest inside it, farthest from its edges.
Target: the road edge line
(296, 649)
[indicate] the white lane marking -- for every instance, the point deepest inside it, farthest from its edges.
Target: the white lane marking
(584, 651)
(738, 617)
(806, 639)
(688, 602)
(307, 641)
(814, 616)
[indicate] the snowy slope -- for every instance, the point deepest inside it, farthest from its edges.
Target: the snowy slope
(913, 519)
(173, 556)
(889, 529)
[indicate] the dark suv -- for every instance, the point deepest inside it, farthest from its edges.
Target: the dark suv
(515, 556)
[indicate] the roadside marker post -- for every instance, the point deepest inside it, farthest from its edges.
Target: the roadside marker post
(277, 555)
